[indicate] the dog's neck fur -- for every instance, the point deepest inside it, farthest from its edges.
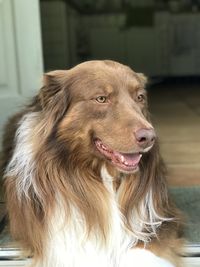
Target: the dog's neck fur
(111, 175)
(110, 178)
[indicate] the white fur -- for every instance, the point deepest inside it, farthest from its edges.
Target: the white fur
(22, 164)
(148, 219)
(143, 258)
(69, 247)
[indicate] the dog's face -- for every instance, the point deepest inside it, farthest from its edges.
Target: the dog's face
(106, 112)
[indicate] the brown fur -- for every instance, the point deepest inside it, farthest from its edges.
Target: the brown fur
(67, 162)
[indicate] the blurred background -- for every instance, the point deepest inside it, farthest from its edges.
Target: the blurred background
(157, 37)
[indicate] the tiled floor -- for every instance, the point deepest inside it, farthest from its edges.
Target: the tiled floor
(175, 109)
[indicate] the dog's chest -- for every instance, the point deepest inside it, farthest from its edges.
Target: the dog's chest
(70, 247)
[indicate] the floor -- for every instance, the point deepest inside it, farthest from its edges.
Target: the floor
(175, 109)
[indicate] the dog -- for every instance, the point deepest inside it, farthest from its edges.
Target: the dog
(85, 183)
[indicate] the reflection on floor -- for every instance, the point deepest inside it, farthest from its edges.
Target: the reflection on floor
(175, 110)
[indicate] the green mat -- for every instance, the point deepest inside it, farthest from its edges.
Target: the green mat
(187, 200)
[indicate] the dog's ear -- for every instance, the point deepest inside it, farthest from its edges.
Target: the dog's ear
(142, 78)
(52, 86)
(54, 96)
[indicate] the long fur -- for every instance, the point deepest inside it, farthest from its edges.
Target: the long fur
(62, 203)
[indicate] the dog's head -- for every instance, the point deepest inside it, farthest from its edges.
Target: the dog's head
(101, 108)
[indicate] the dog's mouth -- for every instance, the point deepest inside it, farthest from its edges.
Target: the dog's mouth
(126, 162)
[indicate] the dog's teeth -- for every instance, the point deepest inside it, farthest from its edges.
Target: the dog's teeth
(122, 159)
(103, 147)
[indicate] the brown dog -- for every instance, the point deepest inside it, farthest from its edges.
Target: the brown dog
(85, 183)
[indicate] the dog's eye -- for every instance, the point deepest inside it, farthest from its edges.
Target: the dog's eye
(101, 99)
(140, 98)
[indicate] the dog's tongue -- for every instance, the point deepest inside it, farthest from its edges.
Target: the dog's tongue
(126, 162)
(126, 159)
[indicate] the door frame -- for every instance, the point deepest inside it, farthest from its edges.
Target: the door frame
(28, 42)
(23, 55)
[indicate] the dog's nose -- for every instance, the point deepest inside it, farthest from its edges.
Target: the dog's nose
(145, 137)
